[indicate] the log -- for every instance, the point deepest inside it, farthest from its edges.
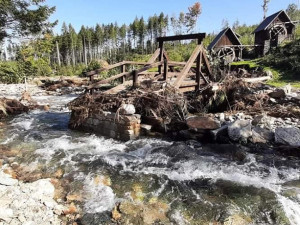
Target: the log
(257, 79)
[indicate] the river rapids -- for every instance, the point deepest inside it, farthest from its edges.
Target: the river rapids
(199, 184)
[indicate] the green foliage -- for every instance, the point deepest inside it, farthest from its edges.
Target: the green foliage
(33, 58)
(283, 62)
(76, 70)
(10, 72)
(246, 33)
(24, 17)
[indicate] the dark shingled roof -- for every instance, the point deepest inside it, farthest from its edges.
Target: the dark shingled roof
(220, 35)
(264, 24)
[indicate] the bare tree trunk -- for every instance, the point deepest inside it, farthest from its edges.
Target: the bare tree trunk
(84, 52)
(58, 54)
(265, 7)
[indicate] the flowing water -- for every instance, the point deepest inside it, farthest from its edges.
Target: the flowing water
(199, 185)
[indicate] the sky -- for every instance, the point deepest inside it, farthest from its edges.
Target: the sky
(91, 12)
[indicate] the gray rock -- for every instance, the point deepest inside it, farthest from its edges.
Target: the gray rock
(263, 121)
(222, 131)
(288, 136)
(240, 130)
(261, 135)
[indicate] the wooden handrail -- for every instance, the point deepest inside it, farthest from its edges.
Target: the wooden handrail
(125, 74)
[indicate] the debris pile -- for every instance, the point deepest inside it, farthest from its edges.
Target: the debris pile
(166, 104)
(11, 107)
(64, 85)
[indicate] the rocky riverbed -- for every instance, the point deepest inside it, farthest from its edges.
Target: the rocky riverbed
(28, 203)
(70, 177)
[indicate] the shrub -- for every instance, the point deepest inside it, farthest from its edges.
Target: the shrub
(10, 72)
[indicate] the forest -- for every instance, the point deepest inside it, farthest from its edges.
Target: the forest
(41, 53)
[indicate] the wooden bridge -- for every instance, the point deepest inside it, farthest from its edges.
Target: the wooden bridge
(193, 75)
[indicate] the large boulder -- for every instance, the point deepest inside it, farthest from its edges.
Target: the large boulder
(240, 130)
(261, 135)
(288, 136)
(203, 123)
(263, 121)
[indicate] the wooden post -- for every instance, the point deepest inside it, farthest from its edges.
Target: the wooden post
(123, 70)
(198, 70)
(135, 76)
(91, 78)
(165, 69)
(160, 57)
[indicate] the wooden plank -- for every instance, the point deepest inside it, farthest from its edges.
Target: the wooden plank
(94, 72)
(166, 55)
(198, 70)
(187, 89)
(199, 36)
(105, 81)
(206, 63)
(126, 74)
(154, 56)
(135, 63)
(173, 63)
(119, 88)
(188, 66)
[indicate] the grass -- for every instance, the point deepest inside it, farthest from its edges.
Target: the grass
(280, 78)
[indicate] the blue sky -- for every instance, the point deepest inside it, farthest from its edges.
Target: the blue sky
(90, 12)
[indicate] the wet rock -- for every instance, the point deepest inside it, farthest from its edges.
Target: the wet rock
(277, 94)
(127, 109)
(240, 130)
(288, 136)
(205, 123)
(177, 151)
(220, 134)
(153, 212)
(237, 220)
(261, 135)
(233, 152)
(263, 121)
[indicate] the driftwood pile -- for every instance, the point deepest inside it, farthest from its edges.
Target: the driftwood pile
(11, 107)
(54, 85)
(236, 95)
(166, 104)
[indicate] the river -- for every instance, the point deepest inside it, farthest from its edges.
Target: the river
(198, 184)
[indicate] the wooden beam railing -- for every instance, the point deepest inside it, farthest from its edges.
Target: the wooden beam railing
(188, 66)
(125, 74)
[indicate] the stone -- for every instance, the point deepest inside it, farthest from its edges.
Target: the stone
(6, 214)
(261, 135)
(277, 94)
(240, 130)
(222, 131)
(288, 136)
(222, 117)
(127, 109)
(205, 123)
(287, 89)
(263, 121)
(7, 180)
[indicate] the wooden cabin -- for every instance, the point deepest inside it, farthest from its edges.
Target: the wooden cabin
(226, 45)
(273, 31)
